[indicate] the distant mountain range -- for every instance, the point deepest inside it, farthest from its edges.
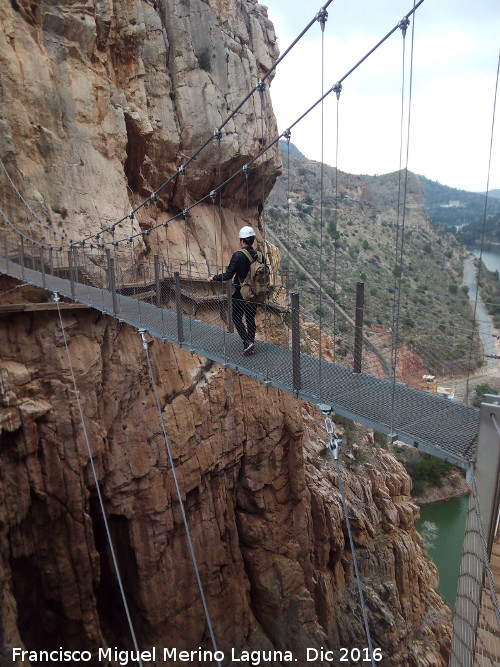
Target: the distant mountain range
(450, 206)
(446, 206)
(494, 193)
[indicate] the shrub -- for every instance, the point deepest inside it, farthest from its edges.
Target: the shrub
(204, 60)
(481, 390)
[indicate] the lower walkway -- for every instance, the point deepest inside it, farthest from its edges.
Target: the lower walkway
(433, 424)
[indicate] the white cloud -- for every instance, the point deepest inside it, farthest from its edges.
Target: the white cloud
(455, 61)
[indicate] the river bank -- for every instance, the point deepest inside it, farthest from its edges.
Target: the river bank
(486, 329)
(454, 486)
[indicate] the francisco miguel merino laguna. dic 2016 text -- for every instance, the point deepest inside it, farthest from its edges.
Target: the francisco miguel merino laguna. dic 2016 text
(172, 655)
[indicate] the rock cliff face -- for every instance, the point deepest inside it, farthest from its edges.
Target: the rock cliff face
(99, 101)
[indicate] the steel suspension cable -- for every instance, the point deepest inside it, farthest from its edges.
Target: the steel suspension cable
(287, 136)
(97, 487)
(179, 495)
(322, 18)
(13, 289)
(401, 213)
(263, 198)
(245, 167)
(43, 224)
(336, 216)
(355, 564)
(483, 227)
(333, 447)
(204, 144)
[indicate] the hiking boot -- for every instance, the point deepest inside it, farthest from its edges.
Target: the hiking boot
(249, 349)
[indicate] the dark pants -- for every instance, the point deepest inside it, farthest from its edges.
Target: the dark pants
(248, 309)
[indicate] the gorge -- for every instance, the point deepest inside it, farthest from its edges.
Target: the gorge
(100, 101)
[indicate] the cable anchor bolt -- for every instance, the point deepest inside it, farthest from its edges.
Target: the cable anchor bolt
(217, 134)
(153, 199)
(261, 86)
(287, 134)
(56, 297)
(182, 170)
(142, 333)
(337, 89)
(185, 213)
(213, 195)
(322, 17)
(403, 25)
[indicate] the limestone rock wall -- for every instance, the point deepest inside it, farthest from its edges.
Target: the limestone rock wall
(263, 507)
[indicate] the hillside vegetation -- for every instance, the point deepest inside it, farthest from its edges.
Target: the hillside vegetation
(350, 235)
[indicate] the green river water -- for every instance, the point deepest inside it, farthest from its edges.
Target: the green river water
(442, 528)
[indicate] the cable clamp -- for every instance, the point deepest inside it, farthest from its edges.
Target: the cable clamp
(182, 170)
(165, 224)
(213, 195)
(185, 213)
(337, 89)
(287, 134)
(403, 25)
(245, 169)
(142, 333)
(153, 199)
(56, 297)
(322, 17)
(261, 86)
(131, 216)
(334, 445)
(217, 134)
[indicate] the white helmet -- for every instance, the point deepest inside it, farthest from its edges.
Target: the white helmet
(245, 232)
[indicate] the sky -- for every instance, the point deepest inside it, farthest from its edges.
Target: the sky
(455, 58)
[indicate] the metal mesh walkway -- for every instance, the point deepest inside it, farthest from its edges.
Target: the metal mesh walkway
(432, 423)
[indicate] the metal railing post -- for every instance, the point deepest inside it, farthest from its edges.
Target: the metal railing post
(20, 249)
(108, 262)
(295, 342)
(229, 292)
(111, 280)
(42, 266)
(178, 307)
(51, 261)
(75, 263)
(156, 260)
(71, 276)
(487, 465)
(358, 327)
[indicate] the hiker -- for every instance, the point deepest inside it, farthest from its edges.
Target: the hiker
(245, 304)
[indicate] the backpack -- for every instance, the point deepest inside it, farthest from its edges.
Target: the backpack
(256, 285)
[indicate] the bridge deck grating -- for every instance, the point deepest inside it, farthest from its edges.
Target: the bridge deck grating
(435, 424)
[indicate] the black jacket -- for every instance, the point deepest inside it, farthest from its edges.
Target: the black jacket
(238, 267)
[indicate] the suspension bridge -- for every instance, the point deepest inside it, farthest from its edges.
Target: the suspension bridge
(173, 303)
